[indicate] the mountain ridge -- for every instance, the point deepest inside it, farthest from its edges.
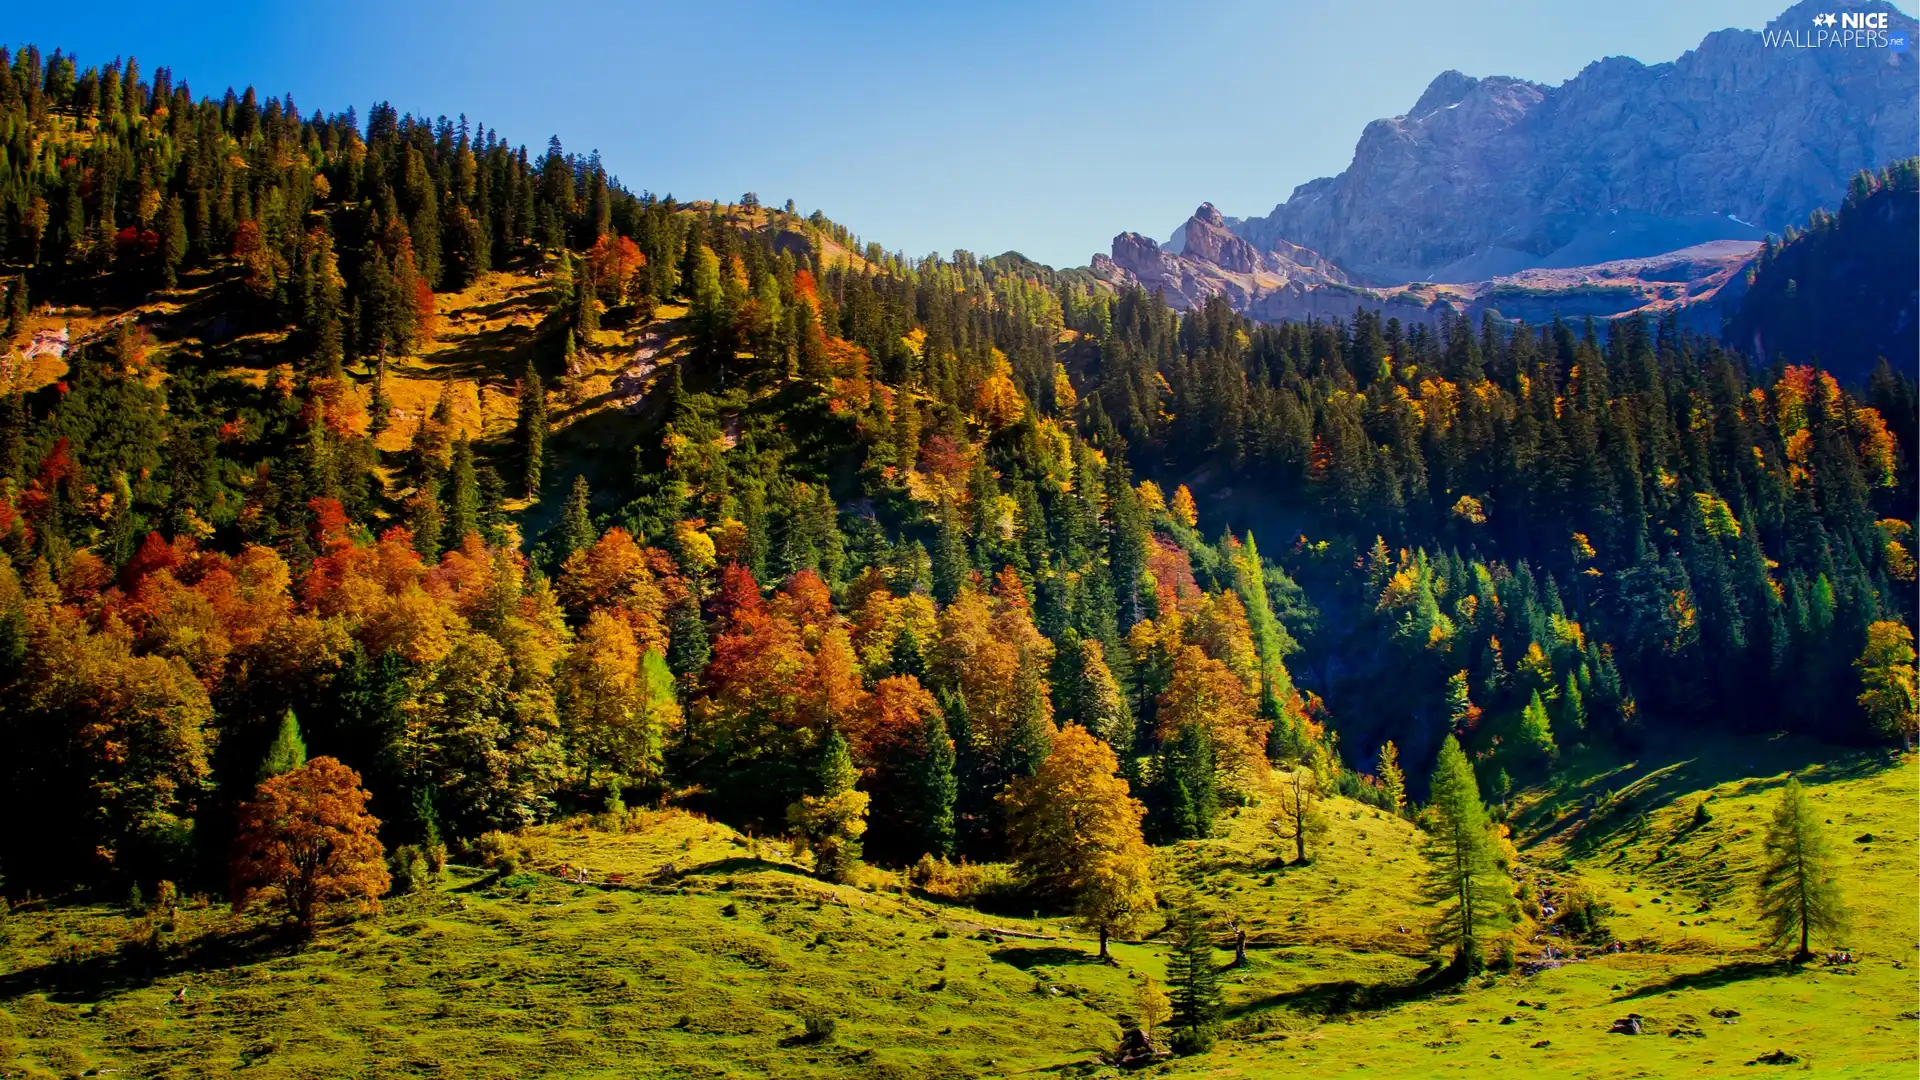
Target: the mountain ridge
(1487, 178)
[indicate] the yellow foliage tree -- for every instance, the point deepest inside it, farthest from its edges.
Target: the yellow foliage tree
(1183, 509)
(1887, 677)
(1075, 832)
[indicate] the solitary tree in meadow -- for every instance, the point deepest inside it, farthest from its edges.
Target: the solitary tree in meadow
(306, 841)
(1300, 819)
(1465, 879)
(1075, 832)
(1194, 979)
(1797, 892)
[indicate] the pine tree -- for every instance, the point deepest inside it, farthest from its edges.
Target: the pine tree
(1194, 980)
(427, 521)
(576, 521)
(173, 241)
(287, 752)
(949, 554)
(533, 431)
(831, 823)
(1465, 878)
(688, 648)
(463, 495)
(935, 787)
(17, 309)
(1535, 736)
(1798, 893)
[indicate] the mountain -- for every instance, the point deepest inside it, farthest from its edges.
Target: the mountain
(1733, 137)
(1208, 259)
(1465, 202)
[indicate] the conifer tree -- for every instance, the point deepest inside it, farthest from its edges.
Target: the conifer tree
(1535, 736)
(288, 751)
(1465, 879)
(576, 521)
(17, 308)
(1193, 980)
(831, 822)
(1393, 782)
(1798, 893)
(935, 787)
(688, 648)
(533, 431)
(463, 495)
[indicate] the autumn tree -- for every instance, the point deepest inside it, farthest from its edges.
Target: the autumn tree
(1151, 1006)
(1393, 782)
(1887, 680)
(1182, 507)
(1300, 818)
(618, 702)
(1465, 878)
(1075, 833)
(307, 842)
(1798, 893)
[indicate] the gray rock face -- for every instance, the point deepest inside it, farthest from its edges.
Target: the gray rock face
(1497, 173)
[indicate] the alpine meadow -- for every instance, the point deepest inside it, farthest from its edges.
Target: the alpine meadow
(462, 615)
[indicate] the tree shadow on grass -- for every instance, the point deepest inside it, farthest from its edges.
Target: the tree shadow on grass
(135, 966)
(1031, 956)
(1724, 975)
(1338, 996)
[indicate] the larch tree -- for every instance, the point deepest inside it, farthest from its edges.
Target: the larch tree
(1075, 833)
(1798, 893)
(1182, 507)
(287, 752)
(1151, 1006)
(307, 842)
(1465, 879)
(1887, 681)
(1393, 782)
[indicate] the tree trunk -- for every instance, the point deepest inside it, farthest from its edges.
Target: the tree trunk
(1104, 955)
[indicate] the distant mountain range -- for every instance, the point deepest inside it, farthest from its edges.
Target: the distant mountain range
(1629, 187)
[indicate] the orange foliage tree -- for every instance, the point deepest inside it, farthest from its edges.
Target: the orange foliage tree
(307, 842)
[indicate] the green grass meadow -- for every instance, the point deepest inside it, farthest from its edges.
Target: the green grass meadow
(694, 951)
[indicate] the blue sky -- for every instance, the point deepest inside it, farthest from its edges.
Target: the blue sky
(1042, 127)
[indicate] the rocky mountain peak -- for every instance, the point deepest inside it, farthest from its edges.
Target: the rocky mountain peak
(1491, 175)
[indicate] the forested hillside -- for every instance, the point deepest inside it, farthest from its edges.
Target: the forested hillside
(1841, 291)
(886, 554)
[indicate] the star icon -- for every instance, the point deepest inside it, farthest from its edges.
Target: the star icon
(1824, 20)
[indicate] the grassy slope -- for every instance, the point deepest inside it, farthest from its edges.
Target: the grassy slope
(705, 959)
